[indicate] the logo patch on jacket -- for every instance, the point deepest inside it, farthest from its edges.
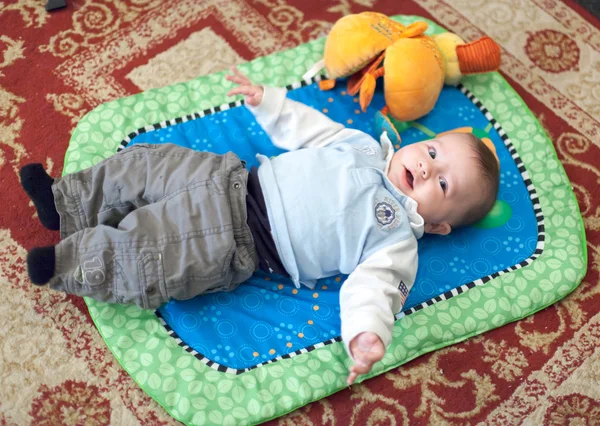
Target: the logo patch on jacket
(387, 213)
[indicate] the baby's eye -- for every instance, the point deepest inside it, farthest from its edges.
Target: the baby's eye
(443, 184)
(432, 153)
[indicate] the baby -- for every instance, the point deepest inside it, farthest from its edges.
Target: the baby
(160, 222)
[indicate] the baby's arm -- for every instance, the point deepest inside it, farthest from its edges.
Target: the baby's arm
(290, 124)
(369, 299)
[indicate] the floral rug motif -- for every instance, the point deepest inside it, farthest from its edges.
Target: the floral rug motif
(55, 67)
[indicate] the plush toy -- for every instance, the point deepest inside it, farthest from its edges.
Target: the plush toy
(414, 66)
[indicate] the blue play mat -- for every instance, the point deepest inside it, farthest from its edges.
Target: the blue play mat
(267, 317)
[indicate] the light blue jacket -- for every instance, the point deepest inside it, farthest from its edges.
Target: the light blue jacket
(333, 210)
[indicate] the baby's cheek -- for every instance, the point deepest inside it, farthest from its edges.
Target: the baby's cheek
(429, 196)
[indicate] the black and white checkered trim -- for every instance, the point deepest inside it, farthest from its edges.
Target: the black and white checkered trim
(172, 122)
(539, 216)
(224, 369)
(445, 296)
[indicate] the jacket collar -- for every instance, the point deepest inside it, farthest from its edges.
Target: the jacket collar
(416, 220)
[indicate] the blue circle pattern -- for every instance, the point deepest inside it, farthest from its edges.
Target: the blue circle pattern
(240, 320)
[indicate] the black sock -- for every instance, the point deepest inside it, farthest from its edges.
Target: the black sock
(40, 264)
(38, 185)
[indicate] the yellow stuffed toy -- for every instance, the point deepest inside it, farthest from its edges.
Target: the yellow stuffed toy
(415, 66)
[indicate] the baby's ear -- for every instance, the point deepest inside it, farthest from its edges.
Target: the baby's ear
(443, 228)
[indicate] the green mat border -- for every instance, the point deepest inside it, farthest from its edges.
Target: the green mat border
(194, 393)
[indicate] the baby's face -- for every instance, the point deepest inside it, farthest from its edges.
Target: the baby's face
(441, 175)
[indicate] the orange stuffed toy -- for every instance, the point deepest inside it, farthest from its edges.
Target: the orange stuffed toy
(415, 66)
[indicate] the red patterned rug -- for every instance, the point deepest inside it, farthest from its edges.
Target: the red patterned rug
(55, 368)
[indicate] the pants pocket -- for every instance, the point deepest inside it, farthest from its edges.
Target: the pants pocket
(139, 279)
(152, 280)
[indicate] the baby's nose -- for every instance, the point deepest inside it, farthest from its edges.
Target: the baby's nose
(424, 169)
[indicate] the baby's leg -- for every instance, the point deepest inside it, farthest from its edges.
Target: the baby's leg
(108, 264)
(136, 177)
(191, 240)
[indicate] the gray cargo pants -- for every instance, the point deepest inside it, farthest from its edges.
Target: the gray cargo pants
(153, 223)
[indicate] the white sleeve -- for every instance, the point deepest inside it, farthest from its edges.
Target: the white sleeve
(371, 295)
(293, 125)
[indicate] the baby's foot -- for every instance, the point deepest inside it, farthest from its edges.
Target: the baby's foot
(40, 264)
(38, 185)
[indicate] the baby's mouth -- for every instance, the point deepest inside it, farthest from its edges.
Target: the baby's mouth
(410, 179)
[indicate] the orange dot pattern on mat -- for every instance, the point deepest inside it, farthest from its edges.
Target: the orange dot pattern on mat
(356, 111)
(272, 351)
(343, 93)
(315, 295)
(301, 335)
(316, 307)
(350, 121)
(330, 100)
(255, 354)
(288, 344)
(338, 279)
(325, 110)
(295, 291)
(280, 286)
(310, 322)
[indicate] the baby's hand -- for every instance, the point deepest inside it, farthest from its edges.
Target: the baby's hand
(366, 349)
(253, 94)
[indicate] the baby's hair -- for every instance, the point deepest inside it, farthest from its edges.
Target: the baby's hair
(489, 170)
